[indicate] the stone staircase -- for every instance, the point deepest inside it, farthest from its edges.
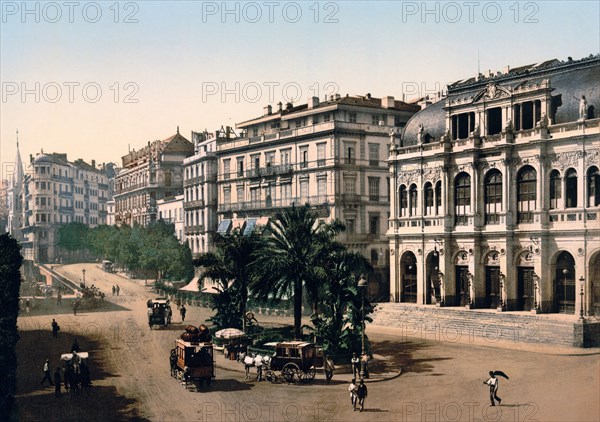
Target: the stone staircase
(456, 324)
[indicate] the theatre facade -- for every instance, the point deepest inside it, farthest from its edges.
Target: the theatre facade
(495, 193)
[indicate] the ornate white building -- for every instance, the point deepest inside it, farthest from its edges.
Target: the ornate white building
(496, 193)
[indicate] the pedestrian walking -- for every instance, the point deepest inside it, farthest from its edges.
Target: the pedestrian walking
(492, 382)
(182, 311)
(75, 306)
(114, 290)
(364, 361)
(27, 306)
(353, 389)
(58, 299)
(328, 367)
(47, 374)
(57, 384)
(55, 328)
(361, 393)
(118, 289)
(355, 361)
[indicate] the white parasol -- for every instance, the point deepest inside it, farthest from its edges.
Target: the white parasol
(228, 333)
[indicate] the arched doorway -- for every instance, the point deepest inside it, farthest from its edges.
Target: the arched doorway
(409, 277)
(432, 290)
(565, 283)
(462, 274)
(594, 283)
(525, 283)
(492, 280)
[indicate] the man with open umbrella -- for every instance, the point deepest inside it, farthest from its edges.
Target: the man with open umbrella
(493, 383)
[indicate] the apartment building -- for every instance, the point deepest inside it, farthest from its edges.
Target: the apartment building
(148, 175)
(330, 154)
(200, 191)
(57, 191)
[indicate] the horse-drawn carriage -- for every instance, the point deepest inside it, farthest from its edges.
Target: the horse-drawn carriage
(297, 361)
(193, 362)
(77, 373)
(159, 311)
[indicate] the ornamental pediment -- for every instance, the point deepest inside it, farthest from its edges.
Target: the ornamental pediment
(491, 92)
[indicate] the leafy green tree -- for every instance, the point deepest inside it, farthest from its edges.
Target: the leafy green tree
(231, 266)
(10, 282)
(73, 237)
(294, 257)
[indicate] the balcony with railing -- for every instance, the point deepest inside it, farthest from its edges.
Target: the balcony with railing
(194, 229)
(315, 201)
(198, 203)
(130, 188)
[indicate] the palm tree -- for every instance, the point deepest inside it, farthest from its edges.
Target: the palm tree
(230, 265)
(342, 302)
(295, 257)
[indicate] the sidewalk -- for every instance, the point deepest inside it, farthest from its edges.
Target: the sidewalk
(341, 373)
(402, 335)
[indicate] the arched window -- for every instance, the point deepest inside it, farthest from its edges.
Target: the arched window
(571, 188)
(555, 191)
(462, 198)
(428, 194)
(526, 194)
(438, 197)
(403, 201)
(493, 197)
(593, 187)
(413, 199)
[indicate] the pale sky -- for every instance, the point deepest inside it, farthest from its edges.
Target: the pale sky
(91, 78)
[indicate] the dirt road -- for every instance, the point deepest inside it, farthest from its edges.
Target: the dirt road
(131, 379)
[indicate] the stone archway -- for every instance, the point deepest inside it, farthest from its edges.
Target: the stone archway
(594, 283)
(525, 282)
(564, 283)
(408, 264)
(432, 269)
(492, 280)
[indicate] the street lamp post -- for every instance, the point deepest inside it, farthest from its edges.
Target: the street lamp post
(581, 283)
(362, 285)
(83, 273)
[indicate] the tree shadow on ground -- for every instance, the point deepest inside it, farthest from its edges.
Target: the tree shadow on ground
(49, 307)
(36, 402)
(400, 355)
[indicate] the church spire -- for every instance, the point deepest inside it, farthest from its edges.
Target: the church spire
(17, 178)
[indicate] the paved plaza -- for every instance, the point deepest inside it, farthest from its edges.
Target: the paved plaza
(413, 379)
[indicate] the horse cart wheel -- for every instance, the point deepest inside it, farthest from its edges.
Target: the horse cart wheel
(290, 371)
(308, 375)
(270, 376)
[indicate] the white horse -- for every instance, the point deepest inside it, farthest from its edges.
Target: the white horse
(254, 360)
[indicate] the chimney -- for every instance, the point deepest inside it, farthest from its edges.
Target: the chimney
(424, 102)
(368, 96)
(506, 70)
(279, 106)
(268, 110)
(313, 102)
(289, 106)
(31, 158)
(94, 163)
(338, 97)
(388, 102)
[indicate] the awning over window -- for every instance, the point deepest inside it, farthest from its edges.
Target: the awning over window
(250, 224)
(224, 226)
